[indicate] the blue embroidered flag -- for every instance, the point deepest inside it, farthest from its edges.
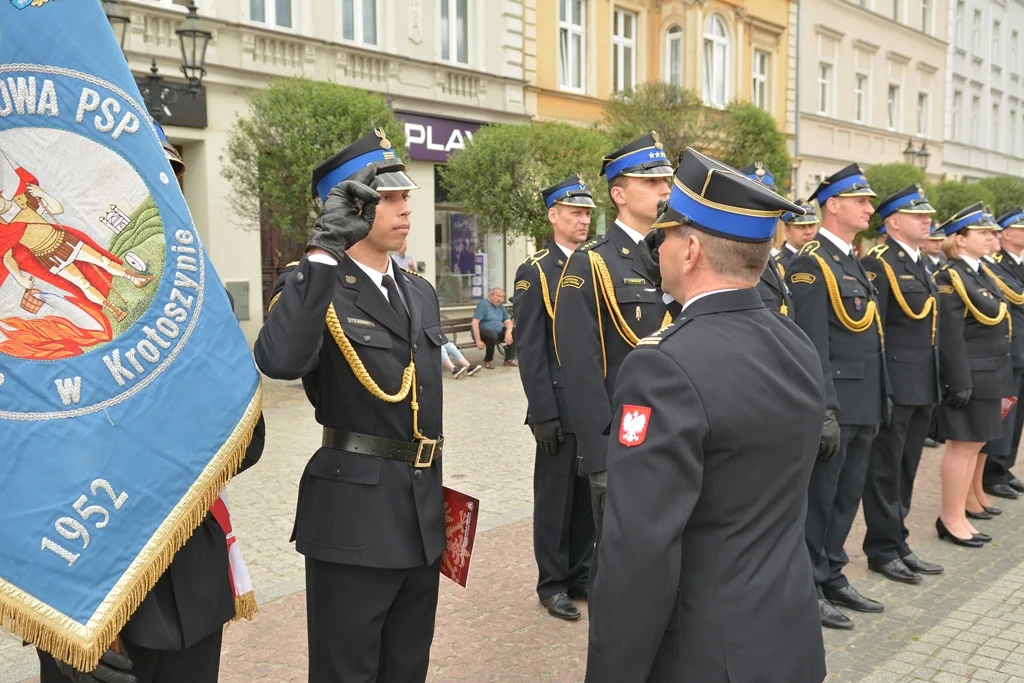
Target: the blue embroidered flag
(127, 391)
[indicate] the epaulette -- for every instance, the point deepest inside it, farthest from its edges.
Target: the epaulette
(534, 258)
(878, 250)
(656, 338)
(412, 272)
(810, 247)
(592, 243)
(292, 264)
(998, 258)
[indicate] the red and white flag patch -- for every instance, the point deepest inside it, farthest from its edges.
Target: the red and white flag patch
(635, 420)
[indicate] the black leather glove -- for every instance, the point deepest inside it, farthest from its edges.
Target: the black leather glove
(889, 407)
(548, 435)
(113, 668)
(959, 399)
(647, 254)
(347, 214)
(829, 446)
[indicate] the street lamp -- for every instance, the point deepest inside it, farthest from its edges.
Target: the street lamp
(917, 157)
(194, 37)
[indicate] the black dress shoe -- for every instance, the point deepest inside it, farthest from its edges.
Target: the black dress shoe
(947, 535)
(833, 618)
(559, 605)
(993, 510)
(578, 593)
(896, 571)
(1001, 491)
(931, 443)
(848, 596)
(984, 538)
(915, 564)
(1016, 484)
(978, 515)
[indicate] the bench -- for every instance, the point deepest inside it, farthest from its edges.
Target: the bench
(452, 327)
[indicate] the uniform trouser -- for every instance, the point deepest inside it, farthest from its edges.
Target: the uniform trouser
(369, 625)
(563, 522)
(598, 495)
(1002, 454)
(197, 664)
(832, 500)
(892, 467)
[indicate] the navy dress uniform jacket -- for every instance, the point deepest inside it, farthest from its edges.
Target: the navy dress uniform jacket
(359, 509)
(704, 576)
(773, 289)
(911, 352)
(593, 335)
(852, 363)
(1011, 276)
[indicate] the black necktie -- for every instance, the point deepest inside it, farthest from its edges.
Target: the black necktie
(396, 301)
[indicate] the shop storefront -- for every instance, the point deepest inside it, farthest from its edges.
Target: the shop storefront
(462, 262)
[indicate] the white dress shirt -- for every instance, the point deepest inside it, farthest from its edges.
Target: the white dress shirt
(844, 247)
(701, 296)
(973, 263)
(913, 253)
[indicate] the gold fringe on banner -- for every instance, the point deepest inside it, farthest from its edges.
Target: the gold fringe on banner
(82, 647)
(245, 606)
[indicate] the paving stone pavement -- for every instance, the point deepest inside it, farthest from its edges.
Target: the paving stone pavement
(965, 625)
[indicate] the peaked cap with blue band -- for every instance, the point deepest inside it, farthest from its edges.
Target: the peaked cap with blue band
(720, 200)
(1012, 219)
(571, 192)
(175, 160)
(372, 148)
(910, 199)
(937, 233)
(974, 217)
(809, 217)
(759, 174)
(643, 157)
(848, 182)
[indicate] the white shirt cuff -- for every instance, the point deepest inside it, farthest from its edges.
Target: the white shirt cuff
(323, 258)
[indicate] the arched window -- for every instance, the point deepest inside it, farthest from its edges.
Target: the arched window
(674, 55)
(716, 62)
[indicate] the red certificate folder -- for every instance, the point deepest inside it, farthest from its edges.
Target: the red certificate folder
(1008, 403)
(460, 518)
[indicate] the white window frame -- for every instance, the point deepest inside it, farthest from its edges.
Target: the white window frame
(716, 44)
(621, 45)
(1014, 51)
(357, 23)
(975, 120)
(861, 96)
(568, 34)
(924, 106)
(453, 32)
(1013, 130)
(897, 10)
(826, 87)
(674, 34)
(894, 107)
(270, 15)
(997, 42)
(976, 33)
(997, 118)
(956, 122)
(961, 7)
(760, 92)
(926, 17)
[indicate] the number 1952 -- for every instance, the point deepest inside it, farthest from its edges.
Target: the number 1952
(72, 529)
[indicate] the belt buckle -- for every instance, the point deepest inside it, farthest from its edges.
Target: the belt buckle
(418, 461)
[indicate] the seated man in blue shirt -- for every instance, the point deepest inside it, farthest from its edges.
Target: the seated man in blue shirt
(491, 323)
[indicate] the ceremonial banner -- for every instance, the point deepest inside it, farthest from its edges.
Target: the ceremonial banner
(127, 391)
(461, 513)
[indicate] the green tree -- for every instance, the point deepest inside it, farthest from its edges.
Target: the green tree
(748, 134)
(291, 127)
(950, 197)
(677, 114)
(499, 174)
(887, 179)
(1007, 193)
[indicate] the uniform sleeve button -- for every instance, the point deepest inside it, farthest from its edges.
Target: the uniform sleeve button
(416, 474)
(366, 337)
(300, 278)
(337, 472)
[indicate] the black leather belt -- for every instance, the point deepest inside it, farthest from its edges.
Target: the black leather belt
(417, 453)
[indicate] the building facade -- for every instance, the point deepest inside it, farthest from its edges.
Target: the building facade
(579, 52)
(445, 66)
(870, 79)
(984, 122)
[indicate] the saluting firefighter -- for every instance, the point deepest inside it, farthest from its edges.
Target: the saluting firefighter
(563, 519)
(909, 312)
(799, 230)
(772, 285)
(837, 307)
(704, 576)
(1008, 268)
(607, 301)
(977, 370)
(365, 338)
